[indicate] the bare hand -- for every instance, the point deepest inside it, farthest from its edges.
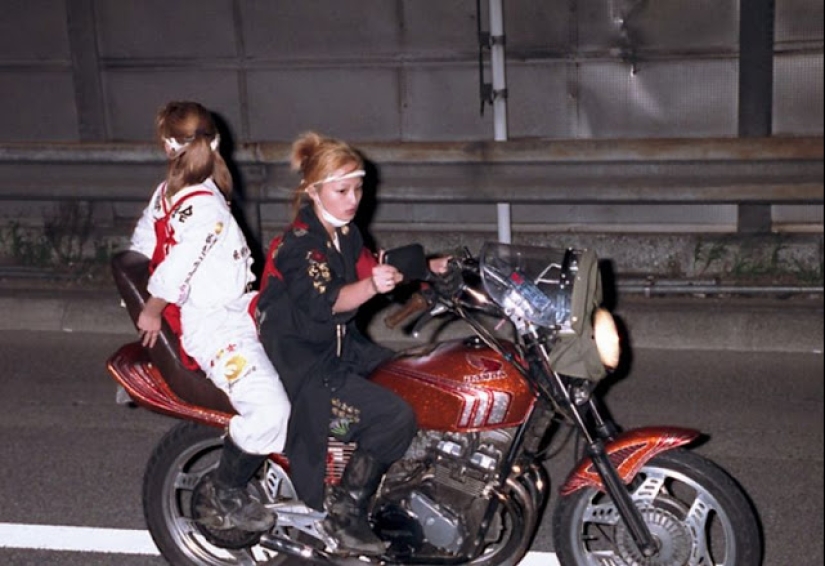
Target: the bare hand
(438, 265)
(385, 278)
(149, 325)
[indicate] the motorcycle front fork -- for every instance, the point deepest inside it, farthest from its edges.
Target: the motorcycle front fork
(615, 488)
(604, 430)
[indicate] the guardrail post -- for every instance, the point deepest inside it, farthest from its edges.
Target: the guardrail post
(86, 70)
(756, 42)
(754, 218)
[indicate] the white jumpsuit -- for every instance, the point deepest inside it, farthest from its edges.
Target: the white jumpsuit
(206, 272)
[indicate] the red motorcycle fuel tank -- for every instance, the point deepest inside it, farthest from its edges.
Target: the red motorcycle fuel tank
(458, 386)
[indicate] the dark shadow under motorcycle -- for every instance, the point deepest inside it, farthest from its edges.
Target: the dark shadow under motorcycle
(472, 488)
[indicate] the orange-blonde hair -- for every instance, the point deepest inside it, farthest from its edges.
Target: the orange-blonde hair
(316, 157)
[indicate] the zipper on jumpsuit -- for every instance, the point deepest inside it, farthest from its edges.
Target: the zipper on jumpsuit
(340, 329)
(340, 332)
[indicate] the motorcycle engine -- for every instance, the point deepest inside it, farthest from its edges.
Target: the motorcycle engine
(438, 494)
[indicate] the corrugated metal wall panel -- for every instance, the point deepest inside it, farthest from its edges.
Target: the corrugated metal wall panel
(539, 29)
(135, 95)
(440, 103)
(338, 102)
(163, 30)
(543, 101)
(659, 25)
(320, 29)
(403, 70)
(34, 31)
(686, 98)
(798, 21)
(798, 95)
(40, 105)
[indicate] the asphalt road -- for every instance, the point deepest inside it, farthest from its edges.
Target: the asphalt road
(71, 456)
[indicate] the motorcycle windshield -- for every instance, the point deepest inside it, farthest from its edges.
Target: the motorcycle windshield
(531, 283)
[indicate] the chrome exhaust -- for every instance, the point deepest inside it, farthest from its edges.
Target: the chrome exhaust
(284, 545)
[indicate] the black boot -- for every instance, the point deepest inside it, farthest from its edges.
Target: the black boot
(348, 503)
(227, 502)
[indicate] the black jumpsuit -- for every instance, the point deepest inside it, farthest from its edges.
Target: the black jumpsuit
(322, 358)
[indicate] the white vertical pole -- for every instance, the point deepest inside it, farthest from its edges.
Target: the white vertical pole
(498, 72)
(497, 59)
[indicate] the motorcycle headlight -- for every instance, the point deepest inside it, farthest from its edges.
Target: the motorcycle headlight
(606, 336)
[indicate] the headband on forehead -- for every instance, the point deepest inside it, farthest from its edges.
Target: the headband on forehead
(350, 175)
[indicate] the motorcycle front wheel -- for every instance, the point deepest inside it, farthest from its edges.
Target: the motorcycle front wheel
(183, 456)
(697, 513)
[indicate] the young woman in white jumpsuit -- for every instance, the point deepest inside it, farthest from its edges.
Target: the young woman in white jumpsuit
(201, 265)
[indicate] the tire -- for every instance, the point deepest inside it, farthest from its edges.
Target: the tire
(697, 512)
(184, 455)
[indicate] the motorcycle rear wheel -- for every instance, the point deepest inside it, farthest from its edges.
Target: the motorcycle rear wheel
(184, 455)
(697, 513)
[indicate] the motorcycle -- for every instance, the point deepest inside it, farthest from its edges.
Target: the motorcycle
(472, 487)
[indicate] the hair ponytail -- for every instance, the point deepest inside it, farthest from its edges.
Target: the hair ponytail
(222, 176)
(194, 160)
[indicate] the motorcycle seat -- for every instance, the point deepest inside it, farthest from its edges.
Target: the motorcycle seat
(130, 270)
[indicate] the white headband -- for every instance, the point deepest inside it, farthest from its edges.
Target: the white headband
(350, 175)
(176, 146)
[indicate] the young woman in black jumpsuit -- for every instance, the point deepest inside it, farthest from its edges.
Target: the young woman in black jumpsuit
(318, 274)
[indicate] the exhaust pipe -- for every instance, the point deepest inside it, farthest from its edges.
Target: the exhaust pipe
(284, 545)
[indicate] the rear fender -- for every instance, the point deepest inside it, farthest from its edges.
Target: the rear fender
(130, 367)
(628, 453)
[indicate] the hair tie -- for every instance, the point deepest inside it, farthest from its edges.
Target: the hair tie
(175, 145)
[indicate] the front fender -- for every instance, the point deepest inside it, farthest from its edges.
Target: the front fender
(628, 452)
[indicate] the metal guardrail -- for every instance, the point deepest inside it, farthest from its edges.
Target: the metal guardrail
(744, 172)
(751, 173)
(720, 171)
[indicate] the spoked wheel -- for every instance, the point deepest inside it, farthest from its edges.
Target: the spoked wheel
(696, 512)
(171, 490)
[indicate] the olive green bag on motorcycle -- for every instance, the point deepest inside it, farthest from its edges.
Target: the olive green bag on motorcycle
(575, 353)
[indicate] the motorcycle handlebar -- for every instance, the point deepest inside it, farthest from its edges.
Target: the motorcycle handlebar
(416, 305)
(449, 283)
(441, 288)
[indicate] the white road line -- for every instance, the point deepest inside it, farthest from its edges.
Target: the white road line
(540, 559)
(81, 539)
(125, 541)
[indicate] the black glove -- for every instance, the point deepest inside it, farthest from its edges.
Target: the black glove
(449, 283)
